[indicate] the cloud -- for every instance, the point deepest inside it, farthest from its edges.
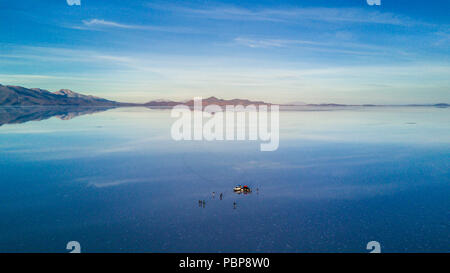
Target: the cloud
(442, 38)
(102, 24)
(146, 74)
(356, 159)
(292, 15)
(102, 182)
(30, 76)
(113, 183)
(339, 47)
(74, 2)
(266, 43)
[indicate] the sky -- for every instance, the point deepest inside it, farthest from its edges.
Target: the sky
(314, 51)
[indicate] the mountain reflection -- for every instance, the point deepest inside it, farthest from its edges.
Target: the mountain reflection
(15, 115)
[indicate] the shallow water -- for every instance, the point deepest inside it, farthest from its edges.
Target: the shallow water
(115, 181)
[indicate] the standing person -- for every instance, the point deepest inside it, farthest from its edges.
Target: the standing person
(221, 196)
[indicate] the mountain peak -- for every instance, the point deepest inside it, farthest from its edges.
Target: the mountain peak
(68, 93)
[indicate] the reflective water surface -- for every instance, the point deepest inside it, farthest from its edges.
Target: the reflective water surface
(115, 181)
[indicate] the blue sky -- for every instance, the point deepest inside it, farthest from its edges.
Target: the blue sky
(281, 51)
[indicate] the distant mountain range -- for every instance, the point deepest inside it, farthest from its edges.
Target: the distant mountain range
(21, 96)
(207, 101)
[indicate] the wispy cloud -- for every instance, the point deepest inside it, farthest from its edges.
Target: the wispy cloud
(30, 76)
(292, 15)
(442, 38)
(357, 159)
(113, 183)
(266, 43)
(150, 73)
(339, 47)
(102, 182)
(98, 24)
